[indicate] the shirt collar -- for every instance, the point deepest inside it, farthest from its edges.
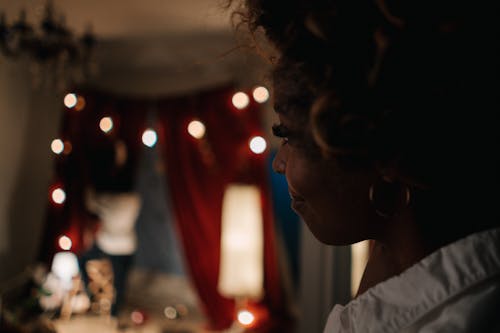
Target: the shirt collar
(401, 300)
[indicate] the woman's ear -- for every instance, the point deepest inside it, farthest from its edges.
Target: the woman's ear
(394, 171)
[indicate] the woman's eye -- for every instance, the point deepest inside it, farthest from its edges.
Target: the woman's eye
(280, 131)
(283, 133)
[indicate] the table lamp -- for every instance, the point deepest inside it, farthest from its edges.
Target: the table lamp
(241, 270)
(65, 267)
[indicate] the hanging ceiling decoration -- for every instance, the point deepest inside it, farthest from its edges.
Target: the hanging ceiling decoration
(52, 48)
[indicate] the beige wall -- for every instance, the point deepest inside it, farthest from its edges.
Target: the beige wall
(29, 118)
(28, 122)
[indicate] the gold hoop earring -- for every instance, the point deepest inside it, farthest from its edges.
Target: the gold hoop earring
(389, 197)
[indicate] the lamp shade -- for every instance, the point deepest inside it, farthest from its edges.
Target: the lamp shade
(65, 267)
(241, 267)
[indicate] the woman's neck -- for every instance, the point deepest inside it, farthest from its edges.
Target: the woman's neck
(399, 246)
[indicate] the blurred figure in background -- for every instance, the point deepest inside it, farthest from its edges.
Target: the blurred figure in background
(112, 199)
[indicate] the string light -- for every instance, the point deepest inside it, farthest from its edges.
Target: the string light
(257, 144)
(149, 137)
(80, 103)
(196, 129)
(65, 243)
(137, 317)
(245, 317)
(57, 146)
(106, 124)
(58, 196)
(260, 94)
(240, 100)
(68, 147)
(70, 100)
(170, 312)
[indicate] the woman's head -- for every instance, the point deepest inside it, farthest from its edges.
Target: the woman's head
(379, 90)
(109, 167)
(330, 194)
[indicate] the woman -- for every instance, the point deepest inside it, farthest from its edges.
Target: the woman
(110, 196)
(387, 116)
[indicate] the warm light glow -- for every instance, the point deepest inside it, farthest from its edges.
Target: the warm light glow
(70, 100)
(149, 137)
(58, 195)
(197, 129)
(57, 146)
(245, 317)
(106, 124)
(170, 312)
(240, 100)
(120, 153)
(241, 270)
(65, 243)
(68, 147)
(257, 144)
(137, 317)
(65, 267)
(260, 94)
(359, 257)
(80, 103)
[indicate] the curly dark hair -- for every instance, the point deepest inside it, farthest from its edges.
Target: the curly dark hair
(408, 87)
(405, 83)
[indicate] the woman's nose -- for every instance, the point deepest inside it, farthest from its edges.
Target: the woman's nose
(279, 161)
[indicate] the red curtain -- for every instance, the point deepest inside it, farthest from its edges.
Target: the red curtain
(82, 136)
(198, 172)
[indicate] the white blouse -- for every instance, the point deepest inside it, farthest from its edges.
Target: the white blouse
(118, 213)
(455, 289)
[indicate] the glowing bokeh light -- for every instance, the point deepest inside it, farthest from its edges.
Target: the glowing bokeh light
(240, 100)
(149, 137)
(106, 124)
(80, 103)
(68, 147)
(245, 317)
(57, 146)
(70, 100)
(197, 129)
(65, 243)
(258, 144)
(120, 153)
(170, 312)
(137, 317)
(260, 94)
(58, 195)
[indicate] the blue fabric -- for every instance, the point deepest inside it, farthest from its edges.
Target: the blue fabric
(158, 245)
(287, 222)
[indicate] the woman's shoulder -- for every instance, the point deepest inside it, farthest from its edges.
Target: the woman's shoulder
(456, 287)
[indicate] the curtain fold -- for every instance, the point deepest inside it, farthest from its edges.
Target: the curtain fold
(197, 173)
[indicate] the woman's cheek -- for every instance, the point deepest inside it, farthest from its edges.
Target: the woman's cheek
(301, 176)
